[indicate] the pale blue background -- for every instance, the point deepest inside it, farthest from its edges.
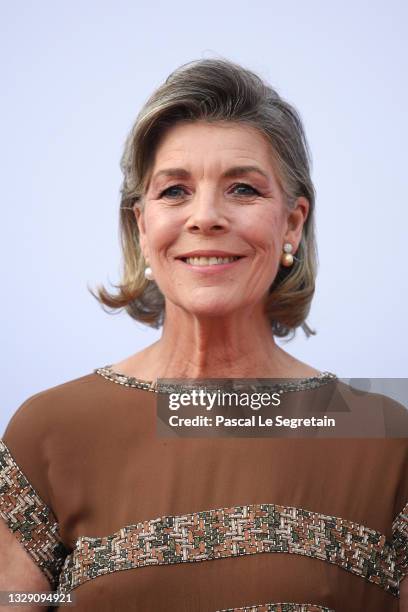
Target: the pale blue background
(74, 75)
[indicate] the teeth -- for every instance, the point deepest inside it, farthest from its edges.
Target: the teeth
(209, 261)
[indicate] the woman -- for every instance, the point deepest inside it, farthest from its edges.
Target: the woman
(217, 218)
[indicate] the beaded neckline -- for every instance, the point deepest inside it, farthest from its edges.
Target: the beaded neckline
(301, 384)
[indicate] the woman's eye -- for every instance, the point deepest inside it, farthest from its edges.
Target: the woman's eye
(240, 185)
(168, 189)
(169, 192)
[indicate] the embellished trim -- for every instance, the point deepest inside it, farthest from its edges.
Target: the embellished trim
(281, 607)
(29, 518)
(126, 381)
(302, 384)
(400, 540)
(232, 532)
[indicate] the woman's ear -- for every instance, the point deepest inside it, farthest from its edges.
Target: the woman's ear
(296, 220)
(140, 220)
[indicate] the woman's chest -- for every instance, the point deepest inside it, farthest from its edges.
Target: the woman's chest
(184, 508)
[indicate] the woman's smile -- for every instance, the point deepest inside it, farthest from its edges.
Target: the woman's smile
(209, 262)
(210, 268)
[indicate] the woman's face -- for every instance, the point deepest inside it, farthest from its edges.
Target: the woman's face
(213, 192)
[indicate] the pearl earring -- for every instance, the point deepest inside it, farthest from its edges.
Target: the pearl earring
(148, 272)
(287, 257)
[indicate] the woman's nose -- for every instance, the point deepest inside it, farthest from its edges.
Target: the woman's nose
(207, 213)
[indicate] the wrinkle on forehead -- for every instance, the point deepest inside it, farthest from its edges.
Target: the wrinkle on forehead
(180, 142)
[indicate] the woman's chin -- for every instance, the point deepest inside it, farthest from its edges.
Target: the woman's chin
(210, 307)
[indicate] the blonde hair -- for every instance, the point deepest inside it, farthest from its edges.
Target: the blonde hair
(217, 90)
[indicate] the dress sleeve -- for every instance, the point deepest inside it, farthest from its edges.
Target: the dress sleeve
(22, 507)
(400, 541)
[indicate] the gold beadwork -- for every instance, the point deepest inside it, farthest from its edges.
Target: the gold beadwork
(281, 607)
(303, 384)
(234, 531)
(29, 518)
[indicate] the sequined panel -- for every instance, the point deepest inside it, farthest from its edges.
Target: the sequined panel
(313, 382)
(281, 607)
(29, 518)
(231, 532)
(400, 532)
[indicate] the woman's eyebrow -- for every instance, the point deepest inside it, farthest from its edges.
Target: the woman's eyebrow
(233, 172)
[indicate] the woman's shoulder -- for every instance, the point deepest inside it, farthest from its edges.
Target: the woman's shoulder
(62, 407)
(372, 400)
(54, 399)
(52, 424)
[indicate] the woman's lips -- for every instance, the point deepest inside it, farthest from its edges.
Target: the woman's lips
(212, 268)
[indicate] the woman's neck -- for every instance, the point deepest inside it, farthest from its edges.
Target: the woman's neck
(215, 347)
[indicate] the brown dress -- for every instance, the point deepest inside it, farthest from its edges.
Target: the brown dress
(200, 524)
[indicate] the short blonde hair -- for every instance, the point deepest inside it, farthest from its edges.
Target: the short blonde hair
(217, 90)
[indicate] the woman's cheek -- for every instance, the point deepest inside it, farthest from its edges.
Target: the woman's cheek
(161, 236)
